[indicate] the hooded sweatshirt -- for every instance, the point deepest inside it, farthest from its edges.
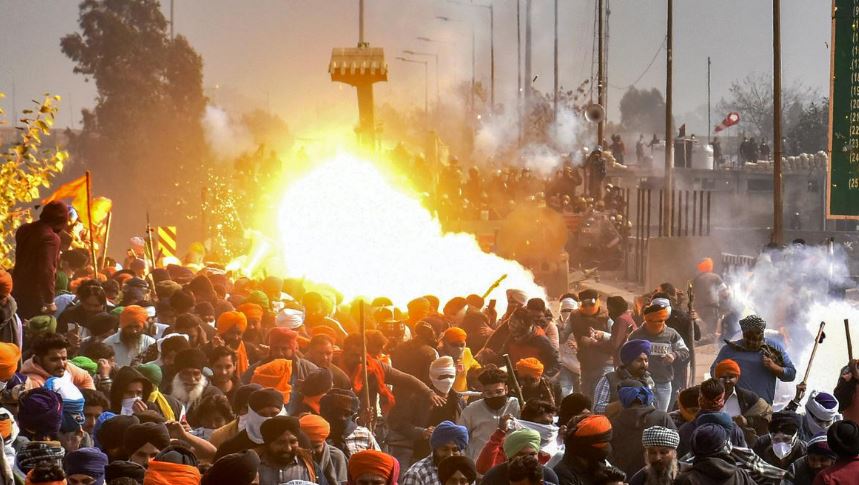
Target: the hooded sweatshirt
(36, 375)
(714, 470)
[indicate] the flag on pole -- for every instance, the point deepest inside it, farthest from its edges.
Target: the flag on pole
(69, 190)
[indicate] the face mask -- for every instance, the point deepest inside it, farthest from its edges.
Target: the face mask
(127, 406)
(242, 421)
(814, 425)
(253, 423)
(442, 385)
(496, 402)
(781, 450)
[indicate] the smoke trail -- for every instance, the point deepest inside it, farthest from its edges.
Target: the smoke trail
(226, 137)
(794, 290)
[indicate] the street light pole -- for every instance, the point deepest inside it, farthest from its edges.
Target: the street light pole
(426, 84)
(435, 58)
(491, 9)
(555, 95)
(601, 70)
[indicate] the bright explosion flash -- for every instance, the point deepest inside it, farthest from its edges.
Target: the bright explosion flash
(345, 225)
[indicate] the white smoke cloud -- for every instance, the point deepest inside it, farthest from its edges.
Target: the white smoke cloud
(790, 289)
(499, 134)
(227, 137)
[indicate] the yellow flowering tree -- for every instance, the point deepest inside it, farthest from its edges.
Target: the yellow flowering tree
(26, 166)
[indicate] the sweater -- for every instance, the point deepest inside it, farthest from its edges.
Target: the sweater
(755, 376)
(666, 342)
(481, 422)
(627, 450)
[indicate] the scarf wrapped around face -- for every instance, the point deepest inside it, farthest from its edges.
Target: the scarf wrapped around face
(374, 369)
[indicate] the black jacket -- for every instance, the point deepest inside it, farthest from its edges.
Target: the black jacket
(714, 470)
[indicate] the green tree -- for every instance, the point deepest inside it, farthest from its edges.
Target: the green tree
(809, 133)
(144, 138)
(752, 98)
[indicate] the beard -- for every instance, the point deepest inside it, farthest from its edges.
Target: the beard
(186, 397)
(661, 475)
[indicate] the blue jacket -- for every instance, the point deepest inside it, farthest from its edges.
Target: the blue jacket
(754, 376)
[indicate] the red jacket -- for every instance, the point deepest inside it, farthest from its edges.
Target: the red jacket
(843, 472)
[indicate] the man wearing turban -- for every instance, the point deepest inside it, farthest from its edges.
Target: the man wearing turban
(11, 329)
(534, 384)
(340, 407)
(637, 415)
(447, 439)
(821, 411)
(711, 293)
(130, 341)
(371, 466)
(283, 344)
(263, 405)
(635, 359)
(85, 465)
(763, 360)
(189, 386)
(142, 442)
(285, 455)
(712, 462)
(667, 347)
(749, 411)
(588, 444)
(231, 326)
(660, 453)
(331, 460)
(453, 344)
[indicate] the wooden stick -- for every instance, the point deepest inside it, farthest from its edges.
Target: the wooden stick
(849, 340)
(91, 232)
(512, 373)
(813, 351)
(365, 394)
(106, 239)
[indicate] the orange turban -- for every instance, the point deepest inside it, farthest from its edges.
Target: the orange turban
(251, 310)
(133, 315)
(594, 430)
(455, 335)
(5, 283)
(275, 374)
(315, 427)
(727, 366)
(372, 462)
(530, 367)
(324, 330)
(705, 265)
(10, 354)
(657, 316)
(228, 320)
(418, 309)
(167, 473)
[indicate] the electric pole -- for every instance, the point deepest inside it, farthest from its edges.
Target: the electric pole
(669, 130)
(778, 210)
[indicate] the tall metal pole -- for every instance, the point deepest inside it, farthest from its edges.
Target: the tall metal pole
(492, 56)
(360, 23)
(171, 20)
(669, 130)
(527, 80)
(778, 210)
(519, 65)
(600, 69)
(555, 84)
(709, 122)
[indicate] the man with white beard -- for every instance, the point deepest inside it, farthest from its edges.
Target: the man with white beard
(660, 454)
(189, 385)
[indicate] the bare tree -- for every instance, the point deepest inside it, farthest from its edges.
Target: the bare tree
(752, 98)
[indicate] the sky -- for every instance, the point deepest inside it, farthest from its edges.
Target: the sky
(273, 54)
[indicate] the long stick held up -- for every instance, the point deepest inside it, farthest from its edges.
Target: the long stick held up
(849, 340)
(813, 351)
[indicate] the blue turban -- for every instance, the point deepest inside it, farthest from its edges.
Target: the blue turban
(721, 419)
(632, 349)
(98, 422)
(708, 440)
(628, 395)
(86, 461)
(40, 412)
(449, 432)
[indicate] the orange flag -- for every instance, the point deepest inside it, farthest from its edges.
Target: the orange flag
(69, 190)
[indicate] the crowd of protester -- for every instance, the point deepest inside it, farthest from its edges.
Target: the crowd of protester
(186, 375)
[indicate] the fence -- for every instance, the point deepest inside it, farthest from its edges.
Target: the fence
(689, 216)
